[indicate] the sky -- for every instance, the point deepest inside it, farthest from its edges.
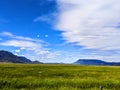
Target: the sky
(61, 30)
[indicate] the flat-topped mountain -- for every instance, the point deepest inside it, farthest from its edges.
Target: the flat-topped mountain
(94, 62)
(9, 57)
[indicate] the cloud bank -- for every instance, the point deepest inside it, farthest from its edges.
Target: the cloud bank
(30, 47)
(93, 24)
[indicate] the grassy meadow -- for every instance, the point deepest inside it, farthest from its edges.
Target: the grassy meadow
(58, 77)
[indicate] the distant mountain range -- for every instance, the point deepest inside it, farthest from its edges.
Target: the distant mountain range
(9, 57)
(95, 62)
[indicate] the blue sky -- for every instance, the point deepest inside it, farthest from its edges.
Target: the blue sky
(61, 30)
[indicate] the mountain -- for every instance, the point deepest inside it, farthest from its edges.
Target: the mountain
(36, 62)
(9, 57)
(24, 59)
(95, 62)
(6, 56)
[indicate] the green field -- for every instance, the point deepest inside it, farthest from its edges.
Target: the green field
(58, 77)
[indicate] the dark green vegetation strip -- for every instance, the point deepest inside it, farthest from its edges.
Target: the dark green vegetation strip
(58, 77)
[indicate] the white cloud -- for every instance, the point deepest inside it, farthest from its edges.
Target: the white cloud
(94, 24)
(22, 48)
(38, 35)
(17, 51)
(46, 36)
(6, 34)
(49, 18)
(21, 43)
(42, 18)
(31, 47)
(10, 35)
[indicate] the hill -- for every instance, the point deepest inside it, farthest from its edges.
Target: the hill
(95, 62)
(9, 57)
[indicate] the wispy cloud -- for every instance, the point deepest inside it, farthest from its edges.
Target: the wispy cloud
(92, 24)
(34, 46)
(21, 43)
(10, 35)
(42, 18)
(49, 18)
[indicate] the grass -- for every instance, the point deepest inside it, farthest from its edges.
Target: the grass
(58, 77)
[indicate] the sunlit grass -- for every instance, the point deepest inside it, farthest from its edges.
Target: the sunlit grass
(58, 77)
